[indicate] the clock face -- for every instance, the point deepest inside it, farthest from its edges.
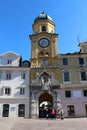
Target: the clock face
(44, 42)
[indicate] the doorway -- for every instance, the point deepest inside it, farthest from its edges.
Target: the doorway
(5, 110)
(71, 111)
(45, 105)
(21, 110)
(86, 109)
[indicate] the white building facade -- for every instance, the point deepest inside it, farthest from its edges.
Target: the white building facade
(14, 86)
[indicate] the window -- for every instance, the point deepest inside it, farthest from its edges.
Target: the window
(23, 75)
(21, 110)
(7, 91)
(85, 93)
(8, 76)
(81, 61)
(0, 60)
(22, 91)
(0, 75)
(65, 61)
(66, 76)
(44, 62)
(67, 93)
(9, 62)
(43, 28)
(83, 75)
(5, 110)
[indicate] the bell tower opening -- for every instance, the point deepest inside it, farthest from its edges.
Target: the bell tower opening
(45, 105)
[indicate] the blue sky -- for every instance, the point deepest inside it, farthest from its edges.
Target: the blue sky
(17, 17)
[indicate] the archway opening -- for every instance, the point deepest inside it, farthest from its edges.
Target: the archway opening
(45, 105)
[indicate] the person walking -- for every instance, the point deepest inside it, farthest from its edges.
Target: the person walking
(61, 114)
(53, 113)
(58, 112)
(47, 113)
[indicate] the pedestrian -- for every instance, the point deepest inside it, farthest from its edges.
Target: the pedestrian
(47, 114)
(53, 113)
(61, 114)
(58, 112)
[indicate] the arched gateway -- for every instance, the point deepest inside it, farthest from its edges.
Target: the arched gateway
(45, 94)
(45, 104)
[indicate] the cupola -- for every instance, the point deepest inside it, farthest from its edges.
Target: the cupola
(43, 23)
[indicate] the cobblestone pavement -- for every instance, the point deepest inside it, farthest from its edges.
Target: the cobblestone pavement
(43, 124)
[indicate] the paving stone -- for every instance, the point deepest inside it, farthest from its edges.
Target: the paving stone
(43, 124)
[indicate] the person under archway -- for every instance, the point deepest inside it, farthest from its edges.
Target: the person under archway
(53, 113)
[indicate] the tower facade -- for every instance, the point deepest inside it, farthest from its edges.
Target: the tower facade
(45, 74)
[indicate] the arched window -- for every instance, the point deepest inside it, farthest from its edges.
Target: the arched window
(43, 28)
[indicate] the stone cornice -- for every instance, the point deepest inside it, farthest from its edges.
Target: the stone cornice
(13, 68)
(71, 86)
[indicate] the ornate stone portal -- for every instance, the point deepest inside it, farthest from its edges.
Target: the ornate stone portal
(44, 88)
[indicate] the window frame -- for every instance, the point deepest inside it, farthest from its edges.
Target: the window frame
(65, 61)
(43, 28)
(85, 90)
(9, 62)
(85, 78)
(8, 75)
(22, 90)
(81, 61)
(6, 91)
(44, 62)
(66, 81)
(23, 75)
(69, 94)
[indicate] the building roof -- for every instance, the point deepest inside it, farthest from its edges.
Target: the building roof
(43, 16)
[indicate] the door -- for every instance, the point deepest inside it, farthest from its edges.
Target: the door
(86, 109)
(5, 110)
(21, 110)
(71, 111)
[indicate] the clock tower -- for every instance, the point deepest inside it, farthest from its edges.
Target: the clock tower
(45, 72)
(44, 41)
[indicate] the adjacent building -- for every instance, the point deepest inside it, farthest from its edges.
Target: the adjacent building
(14, 86)
(50, 79)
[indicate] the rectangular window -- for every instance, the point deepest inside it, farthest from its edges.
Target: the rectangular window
(65, 61)
(22, 91)
(85, 93)
(23, 76)
(0, 60)
(44, 62)
(83, 76)
(81, 61)
(0, 75)
(9, 62)
(66, 76)
(67, 93)
(8, 76)
(7, 91)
